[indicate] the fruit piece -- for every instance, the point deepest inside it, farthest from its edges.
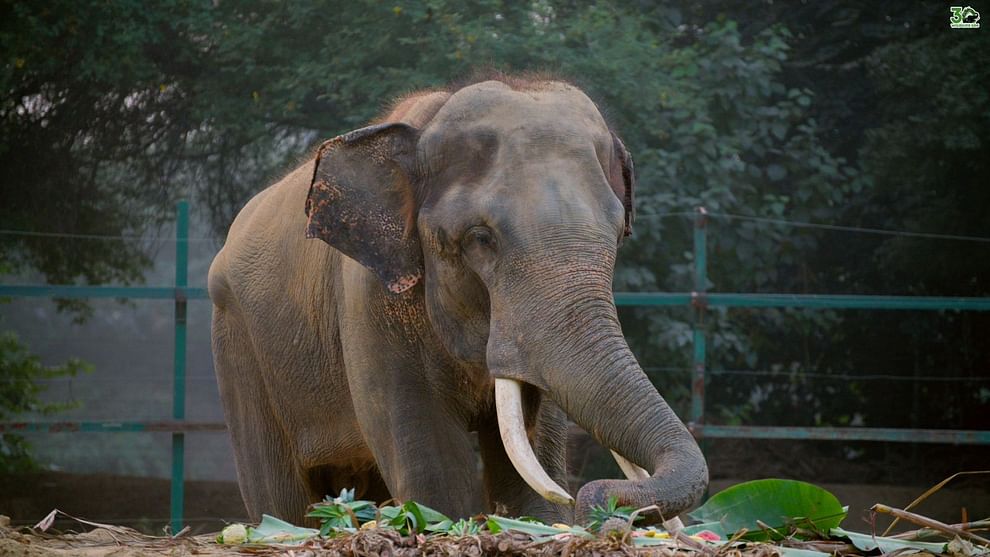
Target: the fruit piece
(233, 534)
(707, 535)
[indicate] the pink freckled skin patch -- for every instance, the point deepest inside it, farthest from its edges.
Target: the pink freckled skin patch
(402, 284)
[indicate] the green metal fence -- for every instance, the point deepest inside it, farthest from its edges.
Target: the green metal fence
(700, 300)
(182, 294)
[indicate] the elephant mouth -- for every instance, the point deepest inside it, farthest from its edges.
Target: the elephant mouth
(508, 406)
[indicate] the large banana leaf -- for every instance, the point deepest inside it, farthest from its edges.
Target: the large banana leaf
(770, 509)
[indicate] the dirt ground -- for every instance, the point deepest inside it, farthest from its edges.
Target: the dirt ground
(101, 543)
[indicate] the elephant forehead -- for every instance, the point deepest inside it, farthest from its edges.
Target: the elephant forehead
(548, 106)
(490, 125)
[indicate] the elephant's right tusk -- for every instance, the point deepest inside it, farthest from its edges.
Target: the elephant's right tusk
(636, 473)
(508, 406)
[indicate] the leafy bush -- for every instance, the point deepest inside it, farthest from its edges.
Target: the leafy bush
(20, 393)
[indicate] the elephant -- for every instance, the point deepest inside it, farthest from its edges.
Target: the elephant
(419, 309)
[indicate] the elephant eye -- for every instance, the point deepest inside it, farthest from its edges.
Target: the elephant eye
(478, 238)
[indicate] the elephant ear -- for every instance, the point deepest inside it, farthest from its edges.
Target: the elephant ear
(628, 185)
(360, 201)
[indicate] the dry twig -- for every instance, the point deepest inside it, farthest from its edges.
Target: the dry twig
(932, 490)
(929, 523)
(922, 533)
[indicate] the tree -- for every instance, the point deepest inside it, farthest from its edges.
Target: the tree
(891, 97)
(20, 393)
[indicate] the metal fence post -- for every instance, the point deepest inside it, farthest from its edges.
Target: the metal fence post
(699, 303)
(179, 363)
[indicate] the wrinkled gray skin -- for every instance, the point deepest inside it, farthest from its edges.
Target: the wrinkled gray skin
(331, 380)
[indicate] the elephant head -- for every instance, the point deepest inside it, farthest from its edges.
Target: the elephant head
(507, 205)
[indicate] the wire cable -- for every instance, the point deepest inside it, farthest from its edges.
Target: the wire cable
(844, 376)
(731, 216)
(820, 226)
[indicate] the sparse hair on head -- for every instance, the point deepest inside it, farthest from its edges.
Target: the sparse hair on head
(533, 80)
(417, 108)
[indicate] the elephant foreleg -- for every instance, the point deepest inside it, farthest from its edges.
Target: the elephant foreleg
(421, 446)
(269, 478)
(423, 452)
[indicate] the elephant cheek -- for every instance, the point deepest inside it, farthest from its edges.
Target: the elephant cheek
(462, 330)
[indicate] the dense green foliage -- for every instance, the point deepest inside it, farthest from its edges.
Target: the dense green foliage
(832, 112)
(20, 393)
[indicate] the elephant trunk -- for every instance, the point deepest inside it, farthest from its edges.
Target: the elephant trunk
(575, 353)
(628, 415)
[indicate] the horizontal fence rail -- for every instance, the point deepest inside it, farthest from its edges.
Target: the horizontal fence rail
(948, 436)
(699, 300)
(813, 301)
(173, 426)
(92, 292)
(626, 299)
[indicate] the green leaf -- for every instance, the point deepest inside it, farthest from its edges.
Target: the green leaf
(531, 528)
(599, 515)
(410, 518)
(643, 541)
(418, 522)
(780, 504)
(464, 527)
(866, 542)
(442, 527)
(776, 172)
(426, 514)
(274, 530)
(342, 514)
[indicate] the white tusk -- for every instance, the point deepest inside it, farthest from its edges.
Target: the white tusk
(631, 471)
(634, 472)
(508, 405)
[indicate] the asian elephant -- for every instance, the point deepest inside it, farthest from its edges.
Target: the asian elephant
(446, 270)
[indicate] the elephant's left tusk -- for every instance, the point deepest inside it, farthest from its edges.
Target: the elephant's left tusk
(636, 473)
(631, 471)
(508, 406)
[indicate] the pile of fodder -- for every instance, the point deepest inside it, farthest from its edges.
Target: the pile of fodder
(763, 518)
(105, 540)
